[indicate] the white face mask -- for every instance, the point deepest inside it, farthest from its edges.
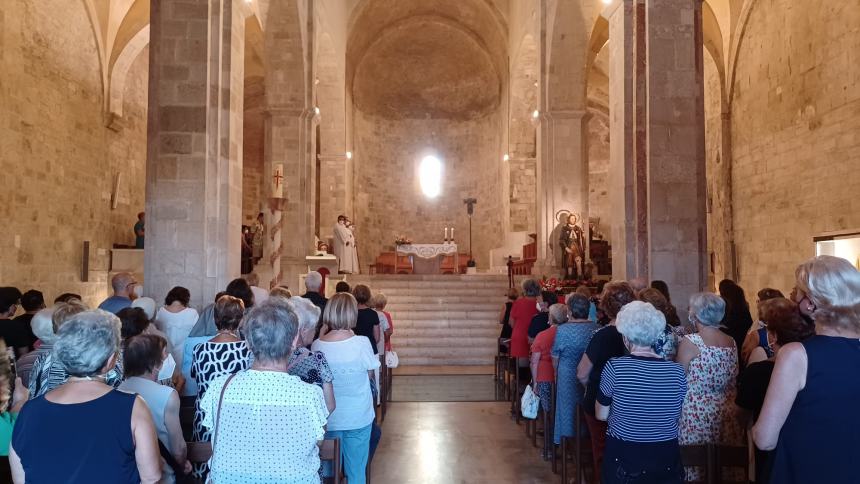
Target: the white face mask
(167, 368)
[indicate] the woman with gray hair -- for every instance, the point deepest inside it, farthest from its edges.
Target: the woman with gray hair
(47, 372)
(571, 339)
(265, 422)
(85, 430)
(543, 375)
(310, 366)
(43, 328)
(807, 414)
(711, 360)
(640, 396)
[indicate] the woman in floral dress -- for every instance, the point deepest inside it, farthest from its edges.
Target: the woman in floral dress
(711, 359)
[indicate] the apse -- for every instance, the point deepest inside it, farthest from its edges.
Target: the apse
(426, 85)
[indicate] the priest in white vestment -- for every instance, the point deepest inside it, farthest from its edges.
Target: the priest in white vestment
(344, 247)
(353, 246)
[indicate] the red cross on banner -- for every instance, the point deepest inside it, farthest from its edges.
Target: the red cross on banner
(278, 180)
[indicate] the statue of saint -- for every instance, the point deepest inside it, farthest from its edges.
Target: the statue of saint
(572, 248)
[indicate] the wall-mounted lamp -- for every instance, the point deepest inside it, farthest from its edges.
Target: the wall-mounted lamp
(535, 114)
(349, 155)
(506, 157)
(317, 110)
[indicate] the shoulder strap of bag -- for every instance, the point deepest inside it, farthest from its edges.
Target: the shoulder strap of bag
(218, 415)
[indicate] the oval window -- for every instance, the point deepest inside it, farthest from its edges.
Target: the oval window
(430, 176)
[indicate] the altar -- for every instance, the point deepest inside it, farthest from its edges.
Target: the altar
(427, 258)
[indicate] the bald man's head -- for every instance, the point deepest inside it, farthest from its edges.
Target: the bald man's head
(123, 284)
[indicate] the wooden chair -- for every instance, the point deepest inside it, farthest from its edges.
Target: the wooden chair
(500, 360)
(517, 386)
(581, 446)
(186, 421)
(714, 460)
(383, 387)
(701, 456)
(5, 470)
(330, 452)
(731, 457)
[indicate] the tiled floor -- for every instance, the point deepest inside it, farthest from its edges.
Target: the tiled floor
(456, 443)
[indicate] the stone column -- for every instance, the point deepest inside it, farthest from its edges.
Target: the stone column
(657, 150)
(194, 147)
(676, 147)
(289, 141)
(562, 182)
(627, 154)
(334, 195)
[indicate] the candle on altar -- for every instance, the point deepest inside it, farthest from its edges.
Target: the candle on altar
(452, 233)
(446, 233)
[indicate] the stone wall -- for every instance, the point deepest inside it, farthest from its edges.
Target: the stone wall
(523, 185)
(388, 199)
(59, 161)
(598, 171)
(796, 135)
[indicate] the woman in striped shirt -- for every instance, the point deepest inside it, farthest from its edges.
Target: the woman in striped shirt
(640, 396)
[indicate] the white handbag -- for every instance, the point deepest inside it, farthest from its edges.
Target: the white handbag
(391, 359)
(529, 403)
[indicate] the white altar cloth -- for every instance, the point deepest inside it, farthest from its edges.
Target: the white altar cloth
(427, 251)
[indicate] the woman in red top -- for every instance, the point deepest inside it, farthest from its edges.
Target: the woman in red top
(522, 313)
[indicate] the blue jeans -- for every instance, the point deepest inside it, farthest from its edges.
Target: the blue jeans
(354, 448)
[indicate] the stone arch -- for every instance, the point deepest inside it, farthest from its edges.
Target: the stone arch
(737, 43)
(713, 43)
(119, 71)
(427, 78)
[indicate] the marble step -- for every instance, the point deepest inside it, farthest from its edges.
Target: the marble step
(455, 360)
(428, 332)
(438, 298)
(451, 341)
(363, 278)
(446, 314)
(382, 284)
(441, 306)
(444, 324)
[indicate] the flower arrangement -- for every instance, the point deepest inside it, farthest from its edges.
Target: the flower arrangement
(564, 285)
(402, 240)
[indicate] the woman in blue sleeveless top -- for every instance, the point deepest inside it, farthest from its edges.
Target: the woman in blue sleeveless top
(85, 431)
(814, 441)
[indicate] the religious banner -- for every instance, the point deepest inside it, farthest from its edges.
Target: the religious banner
(278, 180)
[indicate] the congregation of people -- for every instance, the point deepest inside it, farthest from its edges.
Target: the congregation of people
(96, 394)
(649, 381)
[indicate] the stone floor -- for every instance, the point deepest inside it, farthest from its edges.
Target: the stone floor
(456, 443)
